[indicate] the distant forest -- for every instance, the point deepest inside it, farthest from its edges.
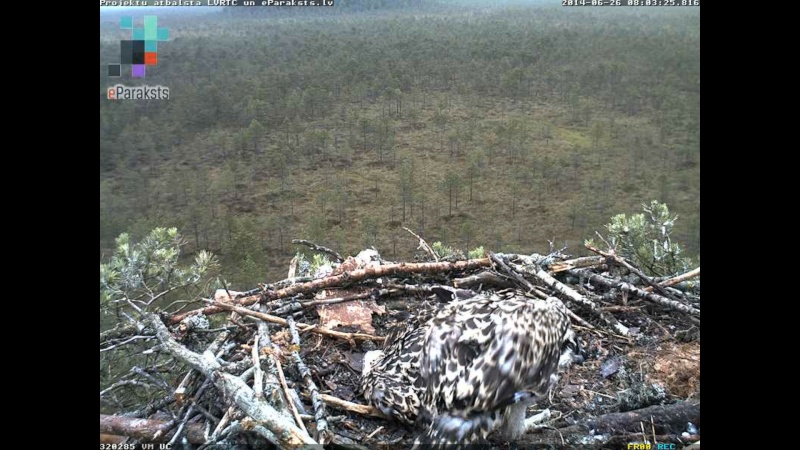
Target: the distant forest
(477, 123)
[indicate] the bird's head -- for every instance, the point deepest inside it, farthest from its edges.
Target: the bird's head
(571, 350)
(370, 358)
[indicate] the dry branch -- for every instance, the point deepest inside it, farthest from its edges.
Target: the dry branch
(146, 429)
(350, 337)
(531, 288)
(569, 293)
(319, 248)
(364, 410)
(626, 287)
(344, 278)
(274, 375)
(424, 245)
(485, 278)
(324, 435)
(621, 261)
(577, 263)
(119, 331)
(329, 301)
(234, 388)
(678, 279)
(285, 387)
(667, 419)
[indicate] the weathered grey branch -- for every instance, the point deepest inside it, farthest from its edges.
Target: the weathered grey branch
(350, 337)
(126, 341)
(621, 261)
(667, 419)
(289, 398)
(265, 346)
(294, 306)
(678, 279)
(223, 423)
(424, 245)
(531, 288)
(365, 410)
(530, 266)
(152, 408)
(577, 263)
(324, 435)
(485, 278)
(146, 429)
(158, 381)
(120, 331)
(258, 374)
(122, 383)
(234, 388)
(319, 248)
(571, 294)
(345, 278)
(626, 287)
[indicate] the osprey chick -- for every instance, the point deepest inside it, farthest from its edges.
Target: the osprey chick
(467, 368)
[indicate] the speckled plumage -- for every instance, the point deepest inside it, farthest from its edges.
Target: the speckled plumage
(463, 369)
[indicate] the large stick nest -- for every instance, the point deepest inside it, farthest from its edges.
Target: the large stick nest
(280, 365)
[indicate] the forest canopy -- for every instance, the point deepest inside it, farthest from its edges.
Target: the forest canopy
(344, 128)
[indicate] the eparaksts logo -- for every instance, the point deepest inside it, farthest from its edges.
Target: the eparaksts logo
(122, 92)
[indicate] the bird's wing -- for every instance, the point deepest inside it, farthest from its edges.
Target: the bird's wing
(480, 354)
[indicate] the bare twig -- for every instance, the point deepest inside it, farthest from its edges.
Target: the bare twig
(562, 289)
(122, 383)
(159, 381)
(328, 301)
(119, 331)
(678, 279)
(286, 432)
(520, 279)
(350, 337)
(571, 294)
(634, 270)
(374, 432)
(324, 435)
(671, 418)
(424, 245)
(319, 248)
(579, 319)
(485, 278)
(126, 341)
(258, 374)
(285, 388)
(344, 278)
(531, 288)
(365, 410)
(145, 429)
(223, 422)
(584, 261)
(655, 298)
(620, 309)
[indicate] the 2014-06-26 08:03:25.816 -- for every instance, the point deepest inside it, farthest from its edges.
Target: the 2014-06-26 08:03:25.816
(630, 2)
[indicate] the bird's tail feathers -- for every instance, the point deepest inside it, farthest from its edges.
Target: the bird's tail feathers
(454, 432)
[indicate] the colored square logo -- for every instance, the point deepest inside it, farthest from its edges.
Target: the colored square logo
(150, 27)
(137, 70)
(126, 52)
(137, 52)
(141, 49)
